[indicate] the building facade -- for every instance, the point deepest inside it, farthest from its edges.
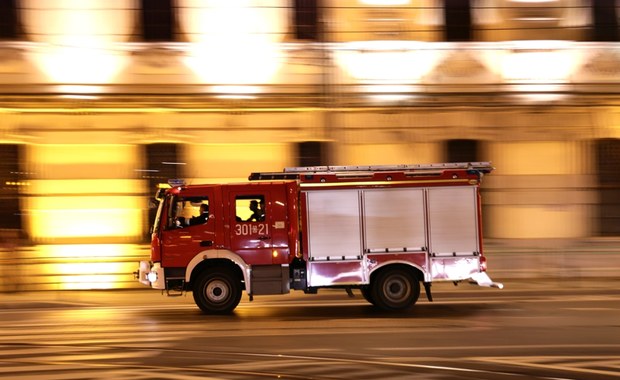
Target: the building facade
(102, 99)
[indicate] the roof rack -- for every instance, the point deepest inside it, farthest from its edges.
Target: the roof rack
(296, 172)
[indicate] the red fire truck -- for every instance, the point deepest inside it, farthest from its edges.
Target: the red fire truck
(381, 229)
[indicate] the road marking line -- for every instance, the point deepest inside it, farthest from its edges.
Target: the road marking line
(539, 362)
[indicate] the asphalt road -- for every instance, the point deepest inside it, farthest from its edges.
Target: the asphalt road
(529, 330)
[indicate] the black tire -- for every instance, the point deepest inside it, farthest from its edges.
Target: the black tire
(217, 291)
(395, 289)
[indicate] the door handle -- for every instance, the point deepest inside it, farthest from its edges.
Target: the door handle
(206, 243)
(264, 237)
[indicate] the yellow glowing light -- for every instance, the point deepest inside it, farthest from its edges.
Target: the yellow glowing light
(79, 251)
(236, 92)
(84, 208)
(274, 253)
(84, 153)
(390, 97)
(79, 91)
(86, 186)
(235, 42)
(386, 62)
(86, 266)
(92, 275)
(385, 2)
(545, 62)
(388, 92)
(90, 282)
(77, 38)
(232, 162)
(85, 216)
(79, 64)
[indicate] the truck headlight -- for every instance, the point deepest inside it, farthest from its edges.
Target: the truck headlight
(151, 276)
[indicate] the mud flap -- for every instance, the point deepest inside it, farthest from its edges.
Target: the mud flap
(482, 279)
(427, 290)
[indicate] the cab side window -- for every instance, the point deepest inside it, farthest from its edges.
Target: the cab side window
(250, 208)
(186, 212)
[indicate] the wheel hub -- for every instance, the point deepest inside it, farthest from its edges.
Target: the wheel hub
(397, 289)
(217, 291)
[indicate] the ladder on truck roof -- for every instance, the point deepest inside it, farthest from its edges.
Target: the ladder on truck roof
(482, 167)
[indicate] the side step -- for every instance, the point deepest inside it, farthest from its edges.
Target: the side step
(175, 286)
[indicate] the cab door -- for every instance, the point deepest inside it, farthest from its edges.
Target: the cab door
(186, 231)
(258, 223)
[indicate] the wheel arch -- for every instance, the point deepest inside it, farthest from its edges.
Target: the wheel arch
(217, 258)
(415, 270)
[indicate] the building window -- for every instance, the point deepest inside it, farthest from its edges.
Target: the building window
(311, 153)
(462, 151)
(9, 20)
(162, 160)
(162, 164)
(158, 20)
(11, 180)
(607, 158)
(604, 20)
(306, 19)
(457, 20)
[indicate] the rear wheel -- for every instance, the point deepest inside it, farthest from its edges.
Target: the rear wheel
(217, 291)
(395, 289)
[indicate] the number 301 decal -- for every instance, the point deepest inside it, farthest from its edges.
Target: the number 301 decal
(251, 229)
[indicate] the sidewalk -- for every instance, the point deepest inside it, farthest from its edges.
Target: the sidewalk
(553, 258)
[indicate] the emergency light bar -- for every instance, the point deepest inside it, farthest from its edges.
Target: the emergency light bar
(482, 167)
(176, 182)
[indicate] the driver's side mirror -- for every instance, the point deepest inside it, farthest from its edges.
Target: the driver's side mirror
(159, 195)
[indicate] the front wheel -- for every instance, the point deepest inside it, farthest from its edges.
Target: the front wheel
(217, 292)
(395, 289)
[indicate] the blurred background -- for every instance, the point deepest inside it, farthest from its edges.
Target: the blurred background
(100, 100)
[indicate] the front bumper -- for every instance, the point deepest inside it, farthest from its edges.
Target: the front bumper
(151, 274)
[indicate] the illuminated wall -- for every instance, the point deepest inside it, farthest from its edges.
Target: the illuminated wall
(542, 189)
(237, 91)
(388, 154)
(220, 163)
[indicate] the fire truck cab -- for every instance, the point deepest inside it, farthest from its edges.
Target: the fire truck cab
(381, 229)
